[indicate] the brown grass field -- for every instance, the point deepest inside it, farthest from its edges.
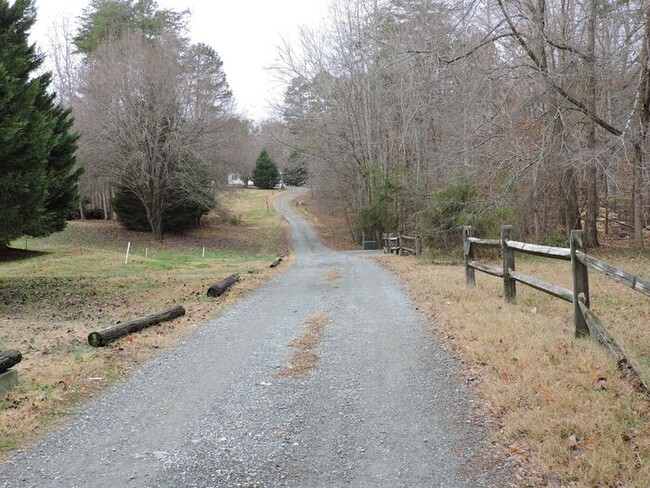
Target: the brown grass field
(74, 282)
(564, 415)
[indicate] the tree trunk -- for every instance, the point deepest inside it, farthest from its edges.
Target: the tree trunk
(9, 359)
(643, 112)
(154, 215)
(637, 197)
(103, 337)
(220, 288)
(592, 210)
(536, 204)
(571, 206)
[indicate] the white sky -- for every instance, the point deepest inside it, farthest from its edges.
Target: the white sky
(245, 33)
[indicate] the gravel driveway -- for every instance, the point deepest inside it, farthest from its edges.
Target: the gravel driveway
(382, 409)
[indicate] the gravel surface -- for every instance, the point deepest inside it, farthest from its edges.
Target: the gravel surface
(382, 409)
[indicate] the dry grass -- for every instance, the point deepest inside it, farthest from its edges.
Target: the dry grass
(565, 411)
(567, 417)
(49, 303)
(304, 359)
(333, 274)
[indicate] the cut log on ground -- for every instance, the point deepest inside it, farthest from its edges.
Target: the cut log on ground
(276, 263)
(9, 359)
(219, 288)
(103, 337)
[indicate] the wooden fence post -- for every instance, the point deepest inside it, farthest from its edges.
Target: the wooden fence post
(509, 284)
(418, 245)
(580, 275)
(400, 244)
(468, 251)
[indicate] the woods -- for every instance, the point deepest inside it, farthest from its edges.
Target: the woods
(416, 116)
(428, 115)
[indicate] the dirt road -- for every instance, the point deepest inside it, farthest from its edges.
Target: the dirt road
(382, 409)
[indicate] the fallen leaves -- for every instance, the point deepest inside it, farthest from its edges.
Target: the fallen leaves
(305, 358)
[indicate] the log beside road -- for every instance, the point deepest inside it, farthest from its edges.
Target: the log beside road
(103, 337)
(219, 288)
(275, 263)
(9, 359)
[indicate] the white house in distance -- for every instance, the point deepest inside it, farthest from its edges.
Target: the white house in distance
(235, 179)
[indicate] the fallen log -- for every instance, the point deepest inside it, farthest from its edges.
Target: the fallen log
(9, 359)
(103, 337)
(219, 288)
(276, 263)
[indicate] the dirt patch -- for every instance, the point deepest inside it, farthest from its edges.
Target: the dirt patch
(304, 359)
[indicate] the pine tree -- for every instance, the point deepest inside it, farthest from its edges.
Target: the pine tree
(37, 181)
(105, 19)
(266, 174)
(295, 172)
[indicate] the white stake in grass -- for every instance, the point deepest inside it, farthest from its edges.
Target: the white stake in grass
(146, 252)
(128, 250)
(204, 252)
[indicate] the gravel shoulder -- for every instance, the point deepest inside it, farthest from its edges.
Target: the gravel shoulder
(383, 407)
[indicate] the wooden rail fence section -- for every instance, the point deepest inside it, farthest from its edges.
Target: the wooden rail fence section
(401, 243)
(585, 320)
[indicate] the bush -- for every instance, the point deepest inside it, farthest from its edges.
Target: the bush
(177, 217)
(391, 206)
(374, 219)
(295, 172)
(94, 214)
(454, 207)
(557, 240)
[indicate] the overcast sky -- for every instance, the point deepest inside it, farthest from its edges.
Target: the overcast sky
(245, 33)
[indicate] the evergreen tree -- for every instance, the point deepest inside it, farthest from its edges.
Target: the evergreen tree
(295, 172)
(266, 174)
(37, 181)
(111, 19)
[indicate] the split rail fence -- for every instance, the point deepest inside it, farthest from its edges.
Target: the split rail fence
(401, 243)
(585, 320)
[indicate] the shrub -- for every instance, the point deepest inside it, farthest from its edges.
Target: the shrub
(295, 172)
(454, 207)
(178, 216)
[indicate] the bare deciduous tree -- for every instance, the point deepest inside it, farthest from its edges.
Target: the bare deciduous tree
(149, 117)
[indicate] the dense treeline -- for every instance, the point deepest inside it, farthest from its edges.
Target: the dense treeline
(433, 114)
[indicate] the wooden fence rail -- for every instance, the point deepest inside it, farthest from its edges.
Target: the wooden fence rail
(585, 321)
(401, 243)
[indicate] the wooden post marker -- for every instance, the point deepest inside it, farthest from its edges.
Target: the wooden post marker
(468, 251)
(580, 274)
